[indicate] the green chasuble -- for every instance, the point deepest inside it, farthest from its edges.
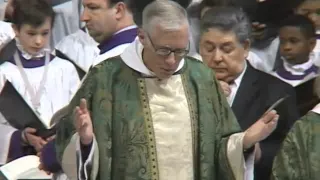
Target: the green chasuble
(299, 157)
(150, 129)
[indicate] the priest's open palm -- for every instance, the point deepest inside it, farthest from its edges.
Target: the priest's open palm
(83, 123)
(261, 129)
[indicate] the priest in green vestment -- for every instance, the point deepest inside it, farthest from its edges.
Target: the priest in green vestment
(299, 156)
(153, 113)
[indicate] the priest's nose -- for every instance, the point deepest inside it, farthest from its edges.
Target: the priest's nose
(170, 59)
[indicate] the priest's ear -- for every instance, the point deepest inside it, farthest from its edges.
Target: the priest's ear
(121, 10)
(143, 37)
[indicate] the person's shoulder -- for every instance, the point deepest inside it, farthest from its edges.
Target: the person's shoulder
(271, 80)
(109, 65)
(195, 62)
(307, 125)
(7, 66)
(79, 37)
(63, 64)
(197, 69)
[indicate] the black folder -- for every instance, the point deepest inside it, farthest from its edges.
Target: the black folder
(19, 114)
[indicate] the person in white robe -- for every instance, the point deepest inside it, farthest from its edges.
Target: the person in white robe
(6, 33)
(268, 59)
(46, 83)
(104, 36)
(298, 59)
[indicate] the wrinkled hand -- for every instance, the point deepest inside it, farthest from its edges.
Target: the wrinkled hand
(261, 129)
(33, 140)
(41, 166)
(82, 123)
(258, 30)
(226, 88)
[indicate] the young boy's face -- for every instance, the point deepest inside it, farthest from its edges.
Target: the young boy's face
(310, 9)
(34, 39)
(295, 47)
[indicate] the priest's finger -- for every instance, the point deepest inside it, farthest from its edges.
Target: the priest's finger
(83, 105)
(77, 120)
(84, 118)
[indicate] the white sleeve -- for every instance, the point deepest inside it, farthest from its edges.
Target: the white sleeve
(74, 82)
(72, 164)
(249, 167)
(85, 168)
(6, 33)
(241, 167)
(6, 132)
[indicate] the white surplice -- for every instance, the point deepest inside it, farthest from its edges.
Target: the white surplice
(61, 84)
(82, 49)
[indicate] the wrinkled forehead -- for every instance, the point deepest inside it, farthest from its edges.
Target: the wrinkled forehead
(173, 38)
(217, 36)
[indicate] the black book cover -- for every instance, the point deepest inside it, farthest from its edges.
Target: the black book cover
(19, 114)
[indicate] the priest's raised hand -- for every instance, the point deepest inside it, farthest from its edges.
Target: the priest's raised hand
(261, 129)
(82, 123)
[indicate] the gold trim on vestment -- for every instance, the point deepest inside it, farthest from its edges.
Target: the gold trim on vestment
(152, 158)
(194, 125)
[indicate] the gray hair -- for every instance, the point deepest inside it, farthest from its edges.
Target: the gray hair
(227, 19)
(168, 14)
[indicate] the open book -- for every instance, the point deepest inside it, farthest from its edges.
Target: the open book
(23, 168)
(20, 115)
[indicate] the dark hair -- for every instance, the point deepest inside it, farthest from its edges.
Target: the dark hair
(32, 12)
(214, 3)
(227, 19)
(305, 25)
(137, 6)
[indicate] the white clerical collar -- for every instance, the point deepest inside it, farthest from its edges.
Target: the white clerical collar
(299, 69)
(132, 56)
(126, 28)
(238, 80)
(28, 56)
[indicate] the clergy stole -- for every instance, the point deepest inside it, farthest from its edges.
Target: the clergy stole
(178, 128)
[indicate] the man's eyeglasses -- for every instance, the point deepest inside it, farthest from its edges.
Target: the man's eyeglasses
(163, 51)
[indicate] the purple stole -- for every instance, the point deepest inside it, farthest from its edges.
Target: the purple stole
(127, 36)
(282, 72)
(34, 63)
